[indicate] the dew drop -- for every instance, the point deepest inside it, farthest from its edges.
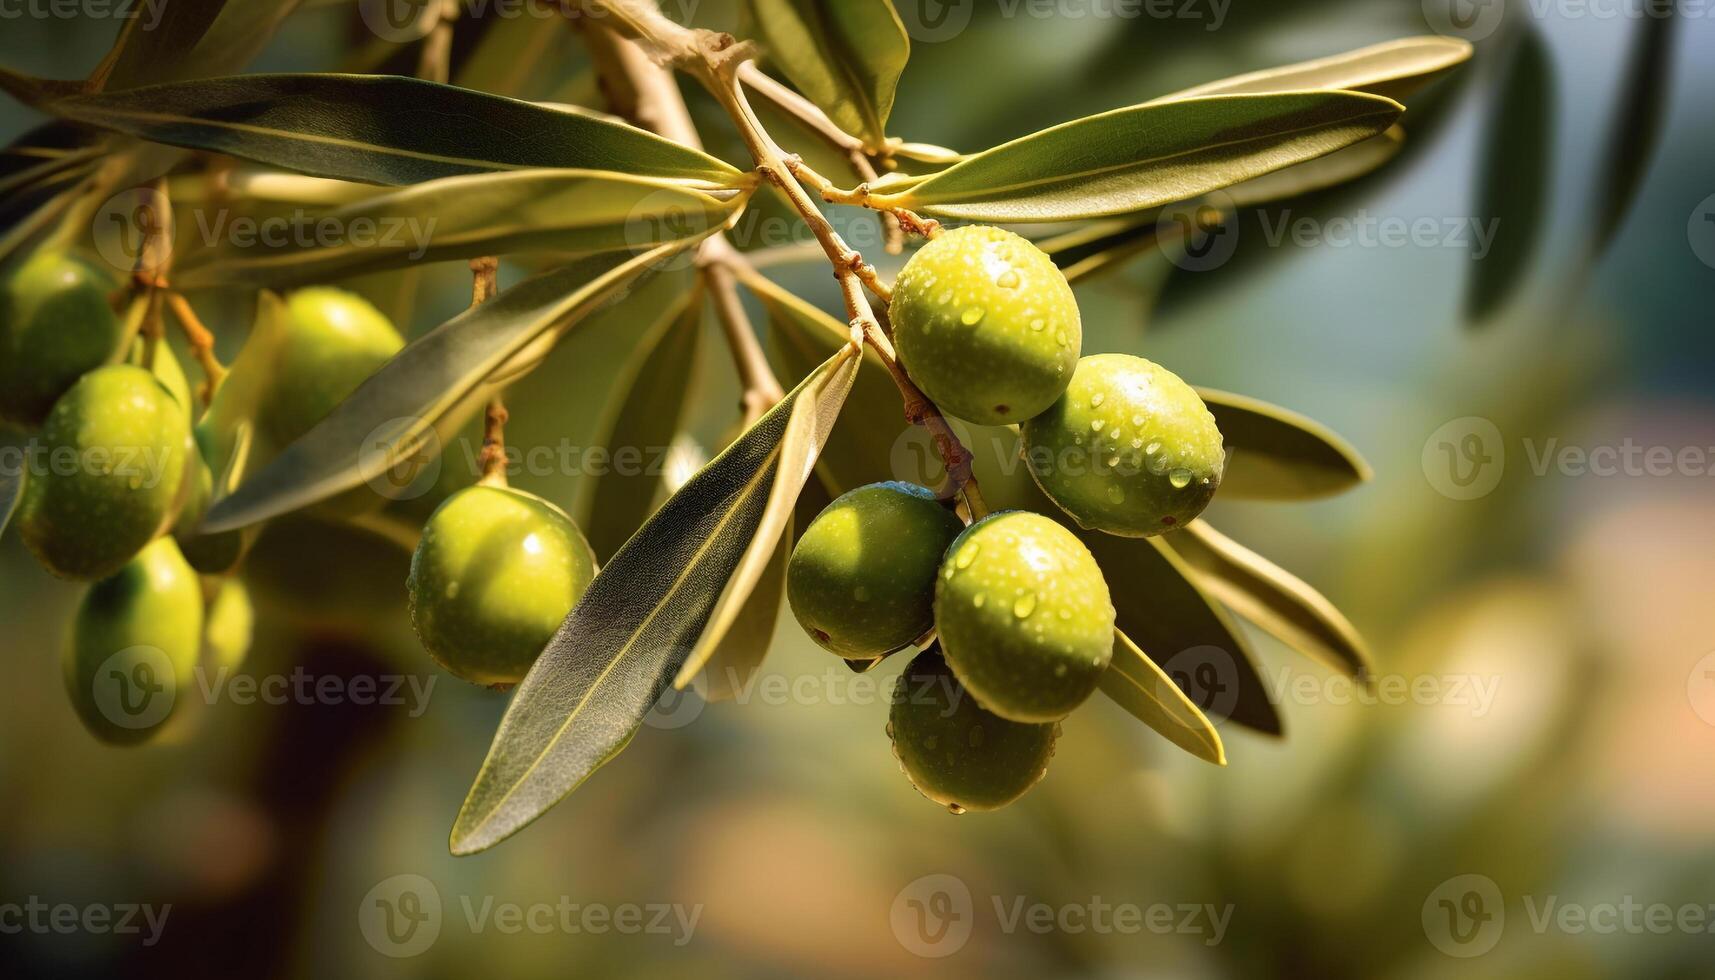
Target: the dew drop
(978, 601)
(1096, 424)
(1137, 444)
(1180, 478)
(1152, 448)
(966, 556)
(972, 315)
(1137, 420)
(1096, 399)
(955, 809)
(1008, 280)
(1116, 495)
(1060, 338)
(1113, 461)
(1037, 325)
(945, 297)
(1025, 605)
(452, 590)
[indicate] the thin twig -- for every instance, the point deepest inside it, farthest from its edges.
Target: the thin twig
(201, 343)
(485, 283)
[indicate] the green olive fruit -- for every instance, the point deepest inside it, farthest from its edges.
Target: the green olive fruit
(495, 574)
(1129, 449)
(1024, 616)
(108, 476)
(210, 554)
(55, 326)
(955, 752)
(231, 625)
(334, 341)
(986, 325)
(134, 646)
(861, 580)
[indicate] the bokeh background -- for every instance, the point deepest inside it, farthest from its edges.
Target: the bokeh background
(1535, 797)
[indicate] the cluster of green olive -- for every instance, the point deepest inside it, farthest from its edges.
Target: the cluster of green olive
(1021, 619)
(126, 471)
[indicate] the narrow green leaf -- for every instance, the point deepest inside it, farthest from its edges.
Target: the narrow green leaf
(1639, 118)
(807, 432)
(196, 39)
(1146, 156)
(739, 655)
(800, 337)
(621, 645)
(654, 392)
(392, 416)
(1156, 600)
(11, 491)
(1517, 170)
(383, 129)
(1275, 454)
(1392, 69)
(844, 55)
(1273, 598)
(1135, 683)
(1340, 167)
(566, 212)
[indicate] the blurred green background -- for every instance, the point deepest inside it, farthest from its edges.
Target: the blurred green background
(1532, 793)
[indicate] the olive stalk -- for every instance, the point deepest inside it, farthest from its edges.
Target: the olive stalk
(485, 284)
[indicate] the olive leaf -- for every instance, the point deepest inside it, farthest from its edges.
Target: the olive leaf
(1392, 69)
(1135, 683)
(655, 393)
(11, 491)
(812, 420)
(1517, 164)
(391, 418)
(1340, 167)
(589, 691)
(739, 655)
(1157, 602)
(801, 336)
(1638, 125)
(1276, 454)
(194, 39)
(1145, 156)
(566, 212)
(383, 129)
(844, 55)
(1273, 598)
